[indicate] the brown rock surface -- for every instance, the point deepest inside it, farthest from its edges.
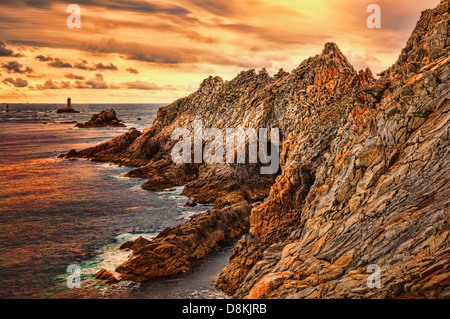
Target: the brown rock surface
(364, 176)
(67, 109)
(110, 151)
(106, 276)
(379, 192)
(177, 249)
(105, 118)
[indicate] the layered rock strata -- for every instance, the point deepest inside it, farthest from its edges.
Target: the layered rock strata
(363, 179)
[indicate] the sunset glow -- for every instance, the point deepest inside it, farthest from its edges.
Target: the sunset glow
(158, 51)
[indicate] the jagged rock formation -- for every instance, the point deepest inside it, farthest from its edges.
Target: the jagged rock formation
(373, 191)
(105, 118)
(108, 151)
(364, 174)
(177, 249)
(106, 276)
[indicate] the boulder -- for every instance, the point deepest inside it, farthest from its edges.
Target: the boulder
(67, 109)
(103, 119)
(106, 276)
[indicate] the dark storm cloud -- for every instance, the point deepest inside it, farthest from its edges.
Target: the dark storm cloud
(18, 83)
(4, 51)
(16, 67)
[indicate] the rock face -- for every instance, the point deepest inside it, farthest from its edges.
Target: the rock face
(104, 118)
(364, 176)
(67, 109)
(177, 249)
(106, 276)
(109, 151)
(374, 189)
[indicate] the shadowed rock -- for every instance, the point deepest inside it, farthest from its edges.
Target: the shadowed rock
(104, 118)
(363, 178)
(106, 276)
(109, 151)
(177, 249)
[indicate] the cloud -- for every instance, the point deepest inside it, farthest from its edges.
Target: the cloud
(57, 63)
(80, 85)
(184, 40)
(84, 65)
(16, 67)
(4, 51)
(167, 55)
(218, 7)
(141, 85)
(50, 85)
(18, 83)
(101, 66)
(96, 83)
(133, 71)
(43, 58)
(74, 76)
(137, 51)
(362, 61)
(129, 5)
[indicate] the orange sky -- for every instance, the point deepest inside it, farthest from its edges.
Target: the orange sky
(157, 51)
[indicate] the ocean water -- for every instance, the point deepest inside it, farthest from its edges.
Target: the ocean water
(56, 212)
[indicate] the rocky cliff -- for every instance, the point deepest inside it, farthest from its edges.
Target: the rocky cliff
(363, 179)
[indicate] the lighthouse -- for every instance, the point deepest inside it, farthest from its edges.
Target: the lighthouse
(7, 108)
(68, 108)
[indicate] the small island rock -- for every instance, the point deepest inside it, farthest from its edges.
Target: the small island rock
(104, 118)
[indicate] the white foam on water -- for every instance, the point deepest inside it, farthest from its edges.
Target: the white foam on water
(187, 215)
(173, 191)
(109, 256)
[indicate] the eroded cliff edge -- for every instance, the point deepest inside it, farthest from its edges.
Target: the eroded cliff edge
(380, 191)
(364, 174)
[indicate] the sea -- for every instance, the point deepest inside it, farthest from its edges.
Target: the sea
(56, 213)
